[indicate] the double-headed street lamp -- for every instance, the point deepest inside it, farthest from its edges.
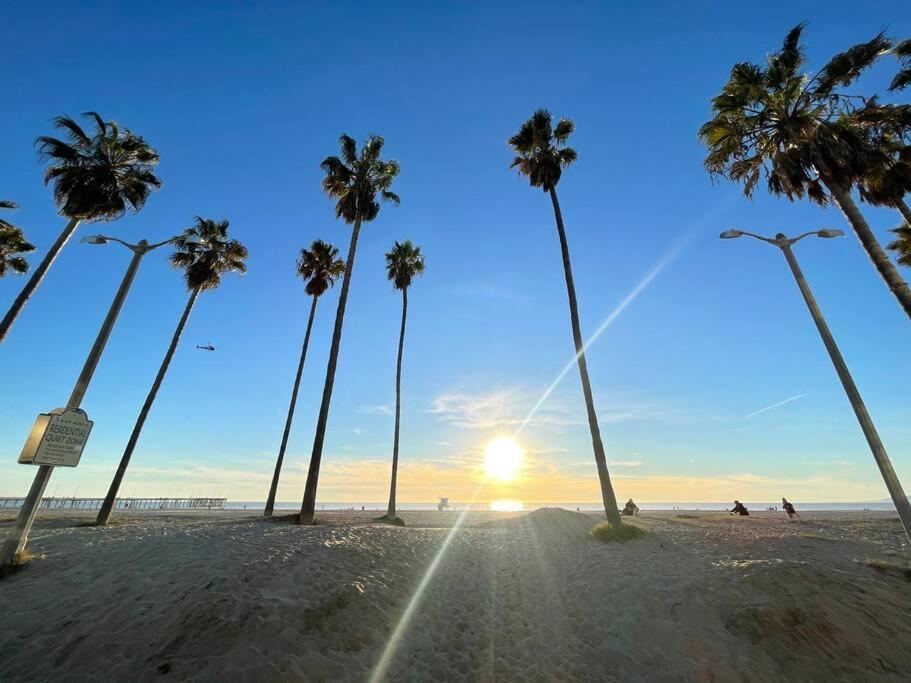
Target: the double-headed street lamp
(15, 543)
(863, 417)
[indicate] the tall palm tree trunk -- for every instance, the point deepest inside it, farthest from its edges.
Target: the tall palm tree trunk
(905, 211)
(390, 512)
(881, 261)
(607, 489)
(270, 502)
(308, 506)
(36, 278)
(107, 507)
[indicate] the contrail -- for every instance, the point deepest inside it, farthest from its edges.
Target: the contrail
(774, 405)
(636, 291)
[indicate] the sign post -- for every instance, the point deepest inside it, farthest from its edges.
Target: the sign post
(58, 438)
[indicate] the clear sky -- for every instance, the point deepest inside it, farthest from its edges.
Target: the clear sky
(243, 101)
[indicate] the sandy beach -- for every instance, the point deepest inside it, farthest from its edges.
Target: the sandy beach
(227, 595)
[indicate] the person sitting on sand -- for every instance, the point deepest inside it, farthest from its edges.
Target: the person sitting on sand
(630, 510)
(740, 509)
(789, 508)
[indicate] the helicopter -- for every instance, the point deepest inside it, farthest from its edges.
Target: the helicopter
(205, 347)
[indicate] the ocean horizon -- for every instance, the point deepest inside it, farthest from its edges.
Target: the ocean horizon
(834, 506)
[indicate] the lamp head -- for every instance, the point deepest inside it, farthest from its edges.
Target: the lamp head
(826, 233)
(730, 234)
(94, 239)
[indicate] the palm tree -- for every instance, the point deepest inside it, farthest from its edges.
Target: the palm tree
(96, 178)
(403, 263)
(887, 130)
(541, 155)
(320, 266)
(204, 253)
(12, 243)
(902, 245)
(357, 182)
(903, 78)
(775, 121)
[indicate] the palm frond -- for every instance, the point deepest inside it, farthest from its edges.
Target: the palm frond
(785, 64)
(902, 244)
(348, 147)
(76, 133)
(563, 130)
(12, 244)
(845, 67)
(902, 79)
(99, 122)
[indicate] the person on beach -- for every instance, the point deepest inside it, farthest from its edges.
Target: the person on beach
(789, 508)
(740, 509)
(630, 510)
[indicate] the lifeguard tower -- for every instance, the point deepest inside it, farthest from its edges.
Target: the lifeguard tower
(443, 504)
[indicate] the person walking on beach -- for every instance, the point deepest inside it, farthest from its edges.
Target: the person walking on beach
(789, 508)
(630, 510)
(740, 509)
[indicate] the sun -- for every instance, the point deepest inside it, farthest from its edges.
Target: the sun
(503, 458)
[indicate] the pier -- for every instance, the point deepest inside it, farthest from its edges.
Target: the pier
(120, 504)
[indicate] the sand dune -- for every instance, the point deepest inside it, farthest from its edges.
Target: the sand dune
(227, 595)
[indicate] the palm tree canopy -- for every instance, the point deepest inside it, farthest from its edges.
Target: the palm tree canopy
(6, 204)
(887, 129)
(902, 245)
(12, 243)
(903, 78)
(774, 120)
(541, 151)
(204, 253)
(98, 177)
(320, 266)
(356, 180)
(403, 263)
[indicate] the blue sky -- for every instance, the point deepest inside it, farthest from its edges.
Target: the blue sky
(243, 101)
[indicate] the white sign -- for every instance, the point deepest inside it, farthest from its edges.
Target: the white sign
(57, 438)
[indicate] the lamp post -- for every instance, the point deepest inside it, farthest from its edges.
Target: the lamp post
(15, 543)
(860, 410)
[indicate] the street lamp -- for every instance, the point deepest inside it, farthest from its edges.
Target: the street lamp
(15, 543)
(860, 410)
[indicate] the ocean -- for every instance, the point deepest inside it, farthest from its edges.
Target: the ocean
(587, 507)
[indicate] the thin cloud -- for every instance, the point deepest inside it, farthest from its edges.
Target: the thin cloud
(771, 407)
(375, 410)
(508, 409)
(500, 409)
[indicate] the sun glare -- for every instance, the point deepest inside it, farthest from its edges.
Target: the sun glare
(503, 458)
